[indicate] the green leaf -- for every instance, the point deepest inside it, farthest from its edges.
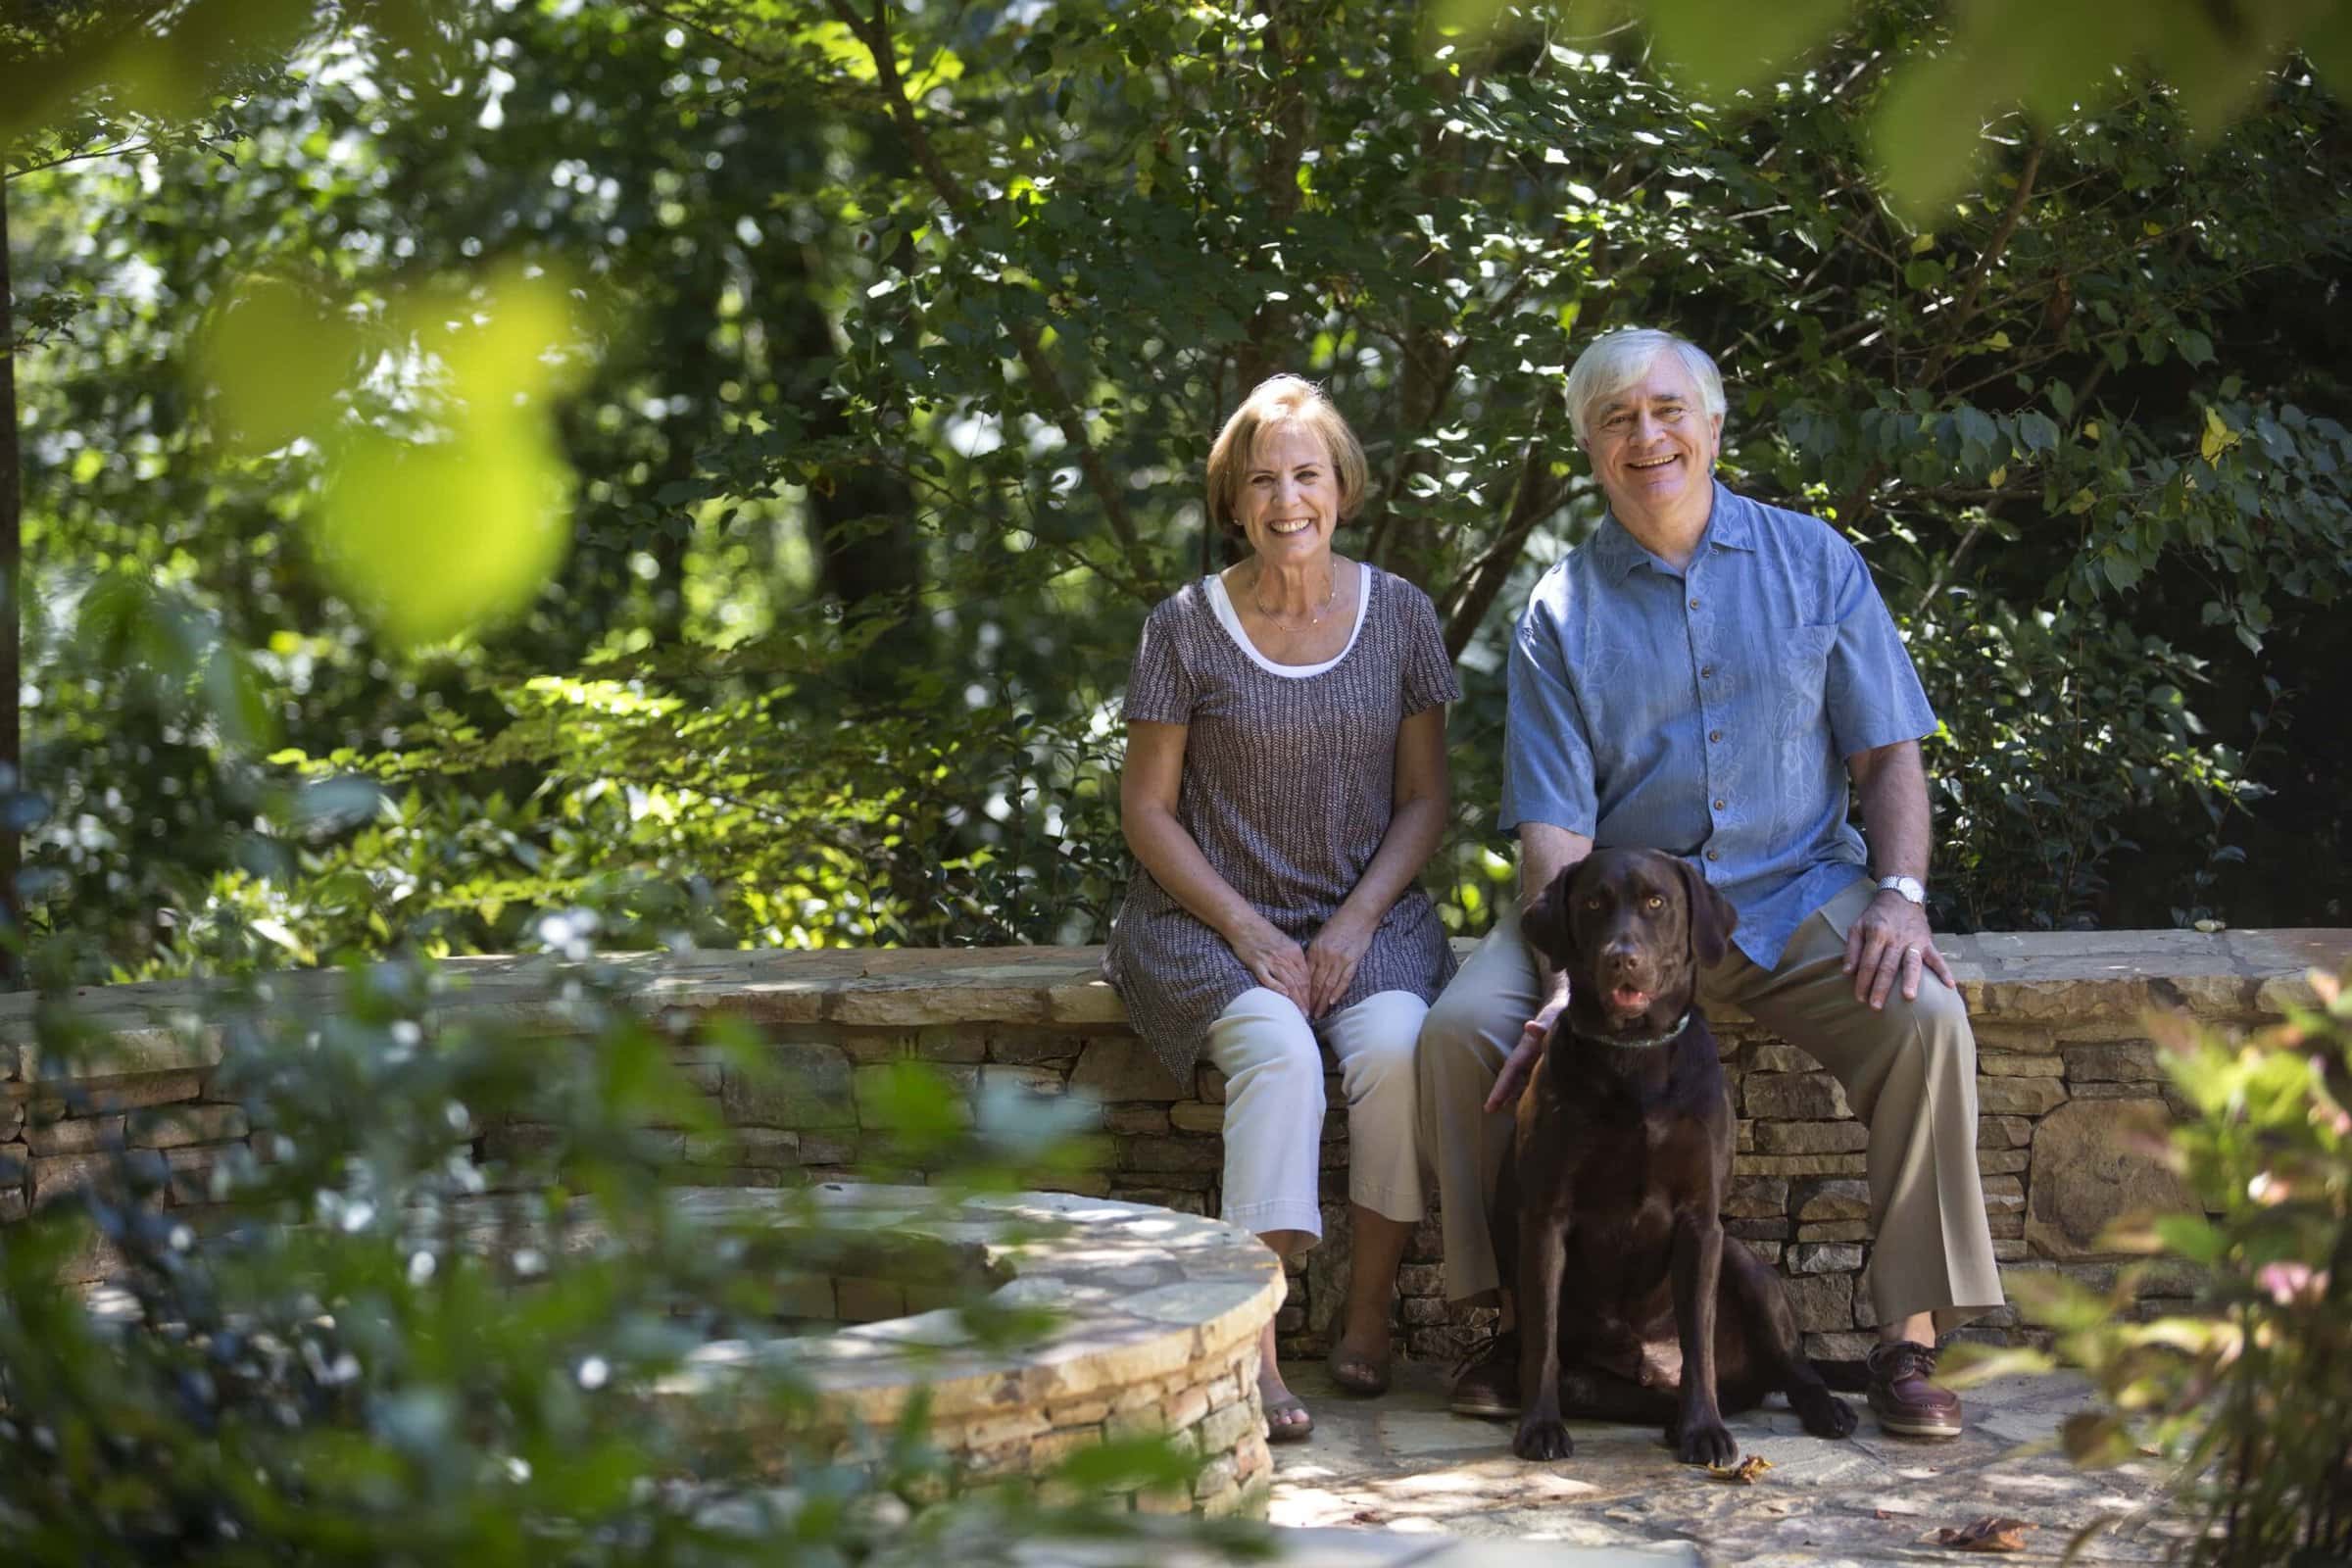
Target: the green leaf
(1152, 1463)
(1966, 1365)
(2190, 1235)
(274, 360)
(444, 534)
(1929, 130)
(2093, 1439)
(913, 1101)
(1719, 48)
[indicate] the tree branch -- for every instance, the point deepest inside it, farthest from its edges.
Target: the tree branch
(11, 549)
(874, 34)
(1951, 564)
(1988, 258)
(1278, 178)
(716, 35)
(1531, 502)
(124, 150)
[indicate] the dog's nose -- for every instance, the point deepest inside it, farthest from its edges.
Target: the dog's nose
(1618, 957)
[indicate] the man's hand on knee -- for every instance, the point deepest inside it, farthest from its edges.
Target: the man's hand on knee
(1889, 943)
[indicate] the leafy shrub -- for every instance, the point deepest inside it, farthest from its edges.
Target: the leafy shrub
(2060, 727)
(752, 821)
(325, 1363)
(2253, 1398)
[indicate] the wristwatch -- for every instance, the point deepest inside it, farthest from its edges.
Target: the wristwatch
(1910, 887)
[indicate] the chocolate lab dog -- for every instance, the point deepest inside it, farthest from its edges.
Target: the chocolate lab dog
(1632, 1303)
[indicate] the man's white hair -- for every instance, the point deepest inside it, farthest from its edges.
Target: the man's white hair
(1615, 360)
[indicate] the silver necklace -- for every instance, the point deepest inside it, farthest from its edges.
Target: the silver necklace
(1330, 596)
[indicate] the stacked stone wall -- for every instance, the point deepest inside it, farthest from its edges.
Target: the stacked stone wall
(1157, 1337)
(2065, 1073)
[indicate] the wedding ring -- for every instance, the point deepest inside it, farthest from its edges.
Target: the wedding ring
(1910, 952)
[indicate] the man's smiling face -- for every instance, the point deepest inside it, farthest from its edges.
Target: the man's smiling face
(1653, 441)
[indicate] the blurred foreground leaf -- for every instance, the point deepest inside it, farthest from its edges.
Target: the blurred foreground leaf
(455, 520)
(167, 60)
(1929, 128)
(280, 358)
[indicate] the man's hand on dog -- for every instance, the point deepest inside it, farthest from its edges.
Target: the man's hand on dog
(1521, 1062)
(1276, 963)
(1891, 944)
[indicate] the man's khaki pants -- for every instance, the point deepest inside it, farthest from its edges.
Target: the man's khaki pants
(1909, 1071)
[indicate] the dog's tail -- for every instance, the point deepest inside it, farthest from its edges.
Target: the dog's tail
(1843, 1377)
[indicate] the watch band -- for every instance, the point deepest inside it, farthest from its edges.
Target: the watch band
(1910, 887)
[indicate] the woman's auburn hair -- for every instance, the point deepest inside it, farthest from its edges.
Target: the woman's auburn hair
(1283, 399)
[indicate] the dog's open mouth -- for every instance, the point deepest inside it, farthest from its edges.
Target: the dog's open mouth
(1625, 1001)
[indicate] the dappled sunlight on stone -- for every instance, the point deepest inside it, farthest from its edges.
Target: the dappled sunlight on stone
(941, 1329)
(1417, 1432)
(1191, 1300)
(1402, 1463)
(1054, 1292)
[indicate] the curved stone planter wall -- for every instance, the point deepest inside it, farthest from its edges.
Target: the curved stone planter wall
(2059, 1023)
(1160, 1315)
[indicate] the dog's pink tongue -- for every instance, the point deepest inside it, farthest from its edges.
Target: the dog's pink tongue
(1625, 999)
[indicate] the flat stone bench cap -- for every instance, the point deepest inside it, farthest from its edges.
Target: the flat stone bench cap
(2022, 976)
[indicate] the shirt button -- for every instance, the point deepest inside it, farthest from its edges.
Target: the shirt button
(1719, 805)
(1694, 603)
(1713, 856)
(1715, 735)
(1706, 671)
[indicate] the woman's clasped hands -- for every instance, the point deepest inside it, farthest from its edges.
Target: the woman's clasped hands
(1313, 976)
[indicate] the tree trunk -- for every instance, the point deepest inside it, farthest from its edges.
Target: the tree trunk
(869, 554)
(12, 545)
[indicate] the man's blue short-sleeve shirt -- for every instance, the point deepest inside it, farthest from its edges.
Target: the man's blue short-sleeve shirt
(1709, 711)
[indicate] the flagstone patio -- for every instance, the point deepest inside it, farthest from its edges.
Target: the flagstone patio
(1398, 1480)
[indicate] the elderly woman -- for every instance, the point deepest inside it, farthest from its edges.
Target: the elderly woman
(1285, 782)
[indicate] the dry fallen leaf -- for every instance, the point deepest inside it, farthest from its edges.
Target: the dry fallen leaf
(1745, 1472)
(1993, 1532)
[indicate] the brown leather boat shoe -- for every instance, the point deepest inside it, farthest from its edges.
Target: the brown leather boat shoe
(1902, 1396)
(1487, 1383)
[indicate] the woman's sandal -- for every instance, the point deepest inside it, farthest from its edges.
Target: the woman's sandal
(1288, 1431)
(1359, 1375)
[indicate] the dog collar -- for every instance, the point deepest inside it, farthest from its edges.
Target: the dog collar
(1671, 1035)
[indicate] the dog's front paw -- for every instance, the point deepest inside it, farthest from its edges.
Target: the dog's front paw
(1822, 1413)
(1543, 1438)
(1703, 1442)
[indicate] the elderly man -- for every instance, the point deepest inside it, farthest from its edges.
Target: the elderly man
(1703, 676)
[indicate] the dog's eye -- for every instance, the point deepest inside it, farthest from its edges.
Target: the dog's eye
(1592, 902)
(1656, 903)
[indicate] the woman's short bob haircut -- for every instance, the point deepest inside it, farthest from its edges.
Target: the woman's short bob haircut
(1283, 399)
(1615, 360)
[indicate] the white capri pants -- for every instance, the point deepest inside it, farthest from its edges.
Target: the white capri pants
(1274, 1107)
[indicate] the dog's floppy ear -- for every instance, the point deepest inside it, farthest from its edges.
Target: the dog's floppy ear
(1712, 917)
(1545, 926)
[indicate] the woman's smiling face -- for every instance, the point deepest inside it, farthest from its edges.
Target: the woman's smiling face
(1290, 499)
